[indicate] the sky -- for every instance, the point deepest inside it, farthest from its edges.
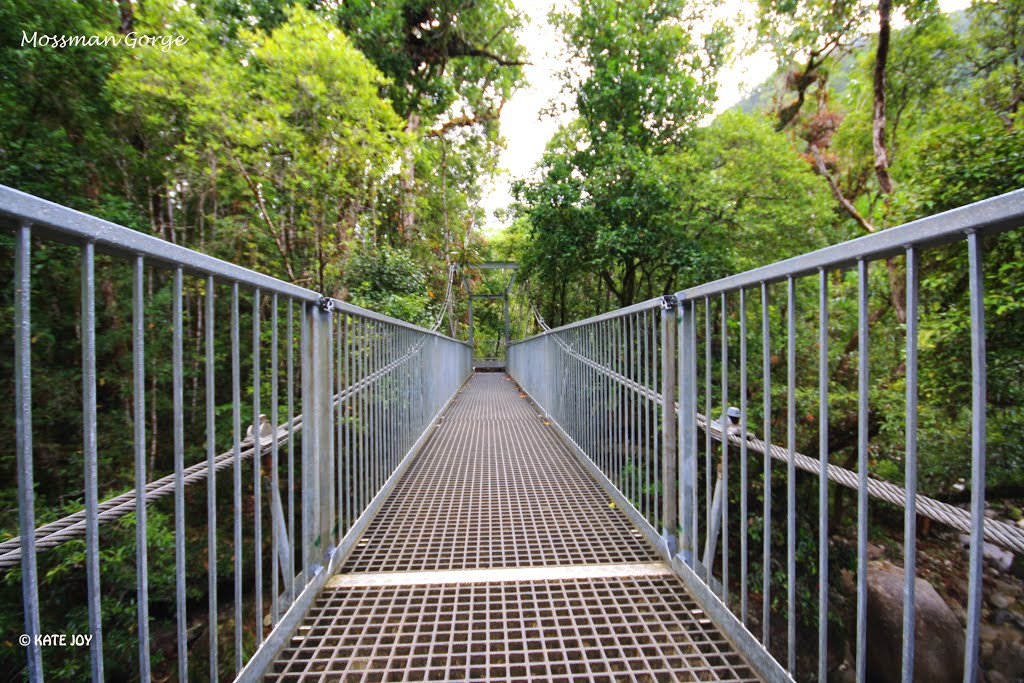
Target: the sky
(526, 132)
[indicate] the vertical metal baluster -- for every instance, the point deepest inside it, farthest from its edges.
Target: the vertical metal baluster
(632, 419)
(687, 436)
(791, 472)
(910, 463)
(327, 457)
(725, 450)
(613, 408)
(650, 424)
(290, 574)
(364, 470)
(579, 391)
(640, 447)
(236, 418)
(179, 478)
(568, 397)
(594, 425)
(358, 475)
(601, 432)
(669, 517)
(23, 445)
(766, 380)
(350, 488)
(743, 457)
(378, 405)
(978, 417)
(339, 423)
(275, 482)
(694, 465)
(139, 438)
(307, 499)
(616, 440)
(822, 475)
(862, 468)
(624, 403)
(92, 530)
(211, 475)
(606, 415)
(372, 432)
(393, 378)
(708, 468)
(257, 445)
(668, 412)
(401, 394)
(388, 445)
(585, 373)
(612, 398)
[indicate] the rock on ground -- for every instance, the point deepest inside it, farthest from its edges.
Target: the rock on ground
(939, 644)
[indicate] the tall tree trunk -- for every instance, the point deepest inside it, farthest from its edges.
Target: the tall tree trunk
(878, 122)
(407, 214)
(127, 16)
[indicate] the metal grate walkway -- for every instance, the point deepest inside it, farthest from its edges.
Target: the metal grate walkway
(499, 558)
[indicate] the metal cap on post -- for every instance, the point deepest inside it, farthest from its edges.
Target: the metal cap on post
(670, 503)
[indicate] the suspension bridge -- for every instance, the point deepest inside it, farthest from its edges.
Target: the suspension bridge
(398, 515)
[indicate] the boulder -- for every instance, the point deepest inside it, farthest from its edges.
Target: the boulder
(939, 637)
(997, 557)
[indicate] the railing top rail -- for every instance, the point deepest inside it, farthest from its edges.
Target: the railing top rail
(610, 315)
(380, 317)
(989, 216)
(64, 224)
(67, 224)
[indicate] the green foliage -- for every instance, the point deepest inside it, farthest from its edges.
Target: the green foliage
(606, 204)
(291, 125)
(389, 281)
(437, 53)
(641, 80)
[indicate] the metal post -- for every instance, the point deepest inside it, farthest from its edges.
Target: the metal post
(23, 441)
(90, 450)
(179, 477)
(670, 513)
(508, 327)
(310, 453)
(687, 430)
(978, 421)
(323, 438)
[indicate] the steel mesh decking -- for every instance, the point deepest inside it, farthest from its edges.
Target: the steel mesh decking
(498, 558)
(496, 488)
(611, 629)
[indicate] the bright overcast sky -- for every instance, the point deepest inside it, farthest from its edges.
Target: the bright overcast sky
(527, 134)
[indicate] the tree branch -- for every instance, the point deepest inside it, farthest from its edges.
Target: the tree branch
(847, 205)
(278, 237)
(457, 47)
(465, 120)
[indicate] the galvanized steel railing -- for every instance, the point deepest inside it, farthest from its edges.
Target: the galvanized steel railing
(608, 382)
(360, 391)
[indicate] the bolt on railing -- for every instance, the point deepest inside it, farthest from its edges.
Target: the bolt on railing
(599, 382)
(352, 395)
